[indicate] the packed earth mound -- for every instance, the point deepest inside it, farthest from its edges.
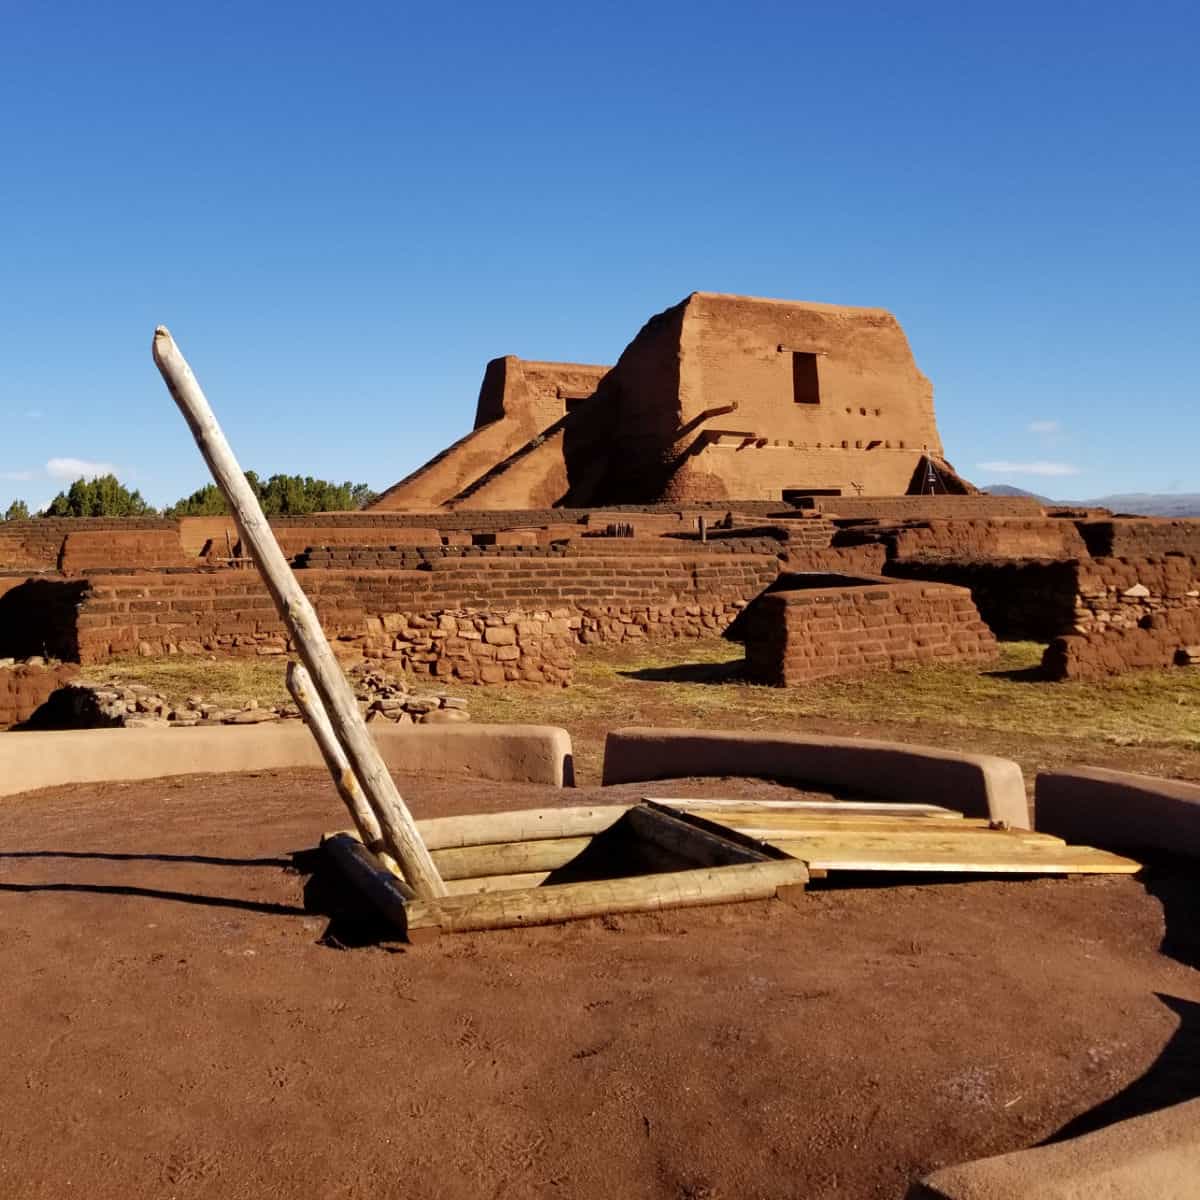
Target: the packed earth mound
(838, 1048)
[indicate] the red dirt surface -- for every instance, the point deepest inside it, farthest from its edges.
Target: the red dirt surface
(174, 1025)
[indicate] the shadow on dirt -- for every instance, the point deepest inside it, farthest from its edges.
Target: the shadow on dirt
(727, 672)
(1173, 1079)
(118, 889)
(1175, 1075)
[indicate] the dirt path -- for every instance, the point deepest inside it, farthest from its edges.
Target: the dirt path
(173, 1025)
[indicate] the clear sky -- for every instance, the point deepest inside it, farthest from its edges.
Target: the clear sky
(343, 210)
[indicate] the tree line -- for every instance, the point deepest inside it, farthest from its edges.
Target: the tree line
(279, 495)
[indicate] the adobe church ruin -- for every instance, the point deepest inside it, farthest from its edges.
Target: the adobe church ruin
(718, 398)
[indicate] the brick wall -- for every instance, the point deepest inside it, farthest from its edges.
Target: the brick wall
(793, 637)
(24, 689)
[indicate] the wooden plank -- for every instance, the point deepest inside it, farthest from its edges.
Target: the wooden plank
(508, 858)
(786, 828)
(693, 843)
(1072, 860)
(992, 841)
(495, 883)
(521, 825)
(822, 821)
(300, 619)
(642, 893)
(886, 807)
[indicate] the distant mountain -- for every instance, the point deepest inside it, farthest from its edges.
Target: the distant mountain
(1149, 504)
(1004, 489)
(1152, 504)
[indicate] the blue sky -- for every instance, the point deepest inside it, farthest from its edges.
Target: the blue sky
(342, 211)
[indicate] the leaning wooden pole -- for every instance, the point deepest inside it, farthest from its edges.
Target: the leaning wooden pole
(399, 831)
(317, 719)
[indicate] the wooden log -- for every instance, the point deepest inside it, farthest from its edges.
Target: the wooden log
(364, 871)
(495, 883)
(507, 858)
(298, 615)
(317, 720)
(521, 825)
(637, 893)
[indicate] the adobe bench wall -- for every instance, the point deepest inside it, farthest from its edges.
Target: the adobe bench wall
(476, 620)
(794, 637)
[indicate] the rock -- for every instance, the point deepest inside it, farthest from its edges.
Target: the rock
(35, 661)
(423, 704)
(145, 723)
(250, 716)
(453, 702)
(445, 716)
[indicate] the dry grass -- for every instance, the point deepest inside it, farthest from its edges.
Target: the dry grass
(699, 683)
(227, 681)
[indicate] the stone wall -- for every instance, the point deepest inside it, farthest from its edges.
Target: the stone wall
(794, 637)
(1121, 593)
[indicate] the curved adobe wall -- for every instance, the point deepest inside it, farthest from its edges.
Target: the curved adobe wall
(520, 753)
(978, 785)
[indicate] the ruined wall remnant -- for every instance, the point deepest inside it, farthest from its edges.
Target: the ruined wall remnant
(848, 626)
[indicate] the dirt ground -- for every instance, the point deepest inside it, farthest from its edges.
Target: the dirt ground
(176, 1023)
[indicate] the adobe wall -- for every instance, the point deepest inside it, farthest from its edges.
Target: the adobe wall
(795, 637)
(896, 508)
(37, 544)
(24, 689)
(1163, 641)
(370, 614)
(1138, 537)
(985, 539)
(518, 401)
(1020, 600)
(38, 616)
(707, 393)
